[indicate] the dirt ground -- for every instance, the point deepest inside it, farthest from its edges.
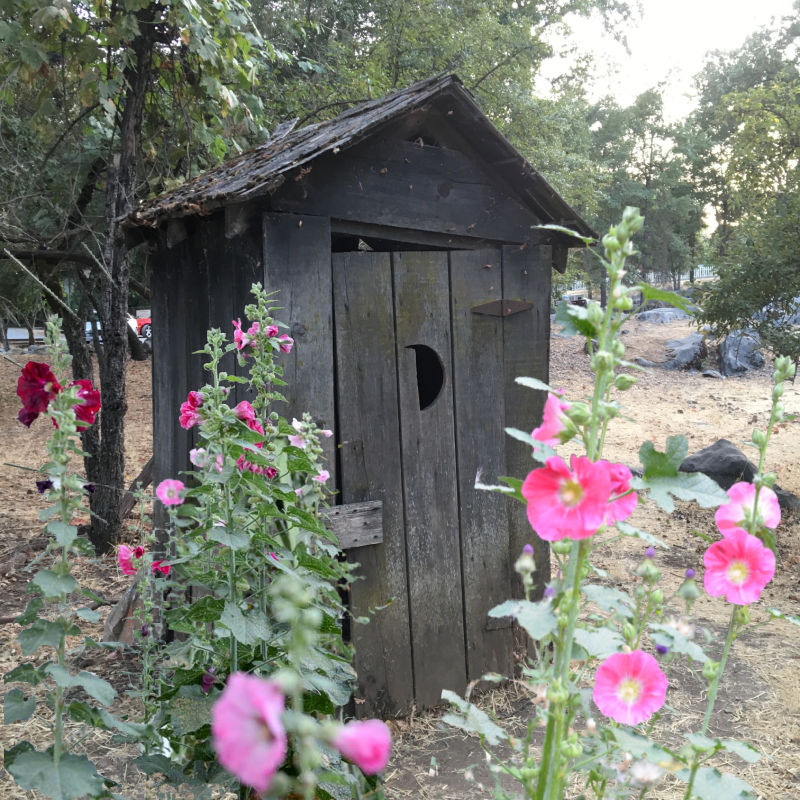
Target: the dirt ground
(760, 698)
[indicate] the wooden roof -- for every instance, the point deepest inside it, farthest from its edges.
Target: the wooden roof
(260, 171)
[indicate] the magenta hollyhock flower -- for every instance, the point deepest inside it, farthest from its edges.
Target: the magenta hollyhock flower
(138, 551)
(160, 566)
(247, 730)
(245, 412)
(253, 330)
(240, 338)
(554, 421)
(272, 331)
(208, 679)
(367, 744)
(740, 508)
(36, 387)
(629, 687)
(271, 473)
(738, 567)
(321, 476)
(622, 507)
(286, 343)
(569, 502)
(125, 557)
(190, 413)
(86, 410)
(169, 492)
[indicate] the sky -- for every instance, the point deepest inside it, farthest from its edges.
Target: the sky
(668, 43)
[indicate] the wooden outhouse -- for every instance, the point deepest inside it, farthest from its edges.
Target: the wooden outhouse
(402, 239)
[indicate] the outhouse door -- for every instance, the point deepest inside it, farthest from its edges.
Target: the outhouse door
(420, 410)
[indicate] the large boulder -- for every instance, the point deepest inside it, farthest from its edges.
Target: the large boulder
(686, 353)
(662, 315)
(726, 464)
(740, 352)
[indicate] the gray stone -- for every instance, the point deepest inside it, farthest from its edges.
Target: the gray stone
(686, 353)
(712, 373)
(662, 315)
(643, 362)
(724, 463)
(739, 353)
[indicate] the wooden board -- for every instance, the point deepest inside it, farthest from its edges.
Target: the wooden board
(297, 263)
(526, 352)
(422, 317)
(356, 524)
(476, 279)
(370, 469)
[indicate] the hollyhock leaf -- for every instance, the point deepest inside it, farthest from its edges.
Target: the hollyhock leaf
(676, 641)
(630, 530)
(42, 633)
(599, 642)
(51, 584)
(609, 599)
(688, 486)
(550, 226)
(95, 686)
(534, 383)
(537, 619)
(25, 673)
(657, 464)
(89, 614)
(640, 746)
(31, 611)
(575, 320)
(711, 784)
(64, 534)
(744, 750)
(100, 718)
(16, 708)
(472, 719)
(189, 714)
(776, 614)
(672, 299)
(72, 778)
(246, 629)
(236, 540)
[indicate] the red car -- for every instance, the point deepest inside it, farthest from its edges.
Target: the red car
(144, 327)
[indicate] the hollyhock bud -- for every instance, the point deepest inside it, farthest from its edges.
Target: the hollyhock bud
(525, 565)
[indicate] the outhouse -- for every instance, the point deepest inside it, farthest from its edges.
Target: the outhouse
(402, 237)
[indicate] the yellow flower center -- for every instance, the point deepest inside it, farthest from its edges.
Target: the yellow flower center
(738, 572)
(629, 690)
(570, 493)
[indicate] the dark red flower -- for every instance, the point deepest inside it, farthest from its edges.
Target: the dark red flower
(36, 387)
(86, 411)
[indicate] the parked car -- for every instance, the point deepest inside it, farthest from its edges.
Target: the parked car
(142, 327)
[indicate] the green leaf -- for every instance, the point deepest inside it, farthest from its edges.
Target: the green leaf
(776, 614)
(588, 240)
(236, 540)
(534, 383)
(51, 584)
(64, 534)
(537, 619)
(629, 530)
(42, 633)
(89, 614)
(575, 320)
(688, 486)
(102, 719)
(95, 686)
(599, 642)
(641, 747)
(16, 708)
(189, 714)
(711, 784)
(72, 778)
(31, 612)
(609, 599)
(247, 629)
(675, 300)
(472, 719)
(25, 673)
(657, 464)
(522, 436)
(668, 636)
(744, 750)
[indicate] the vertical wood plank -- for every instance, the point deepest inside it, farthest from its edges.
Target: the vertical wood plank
(422, 316)
(297, 263)
(526, 351)
(370, 469)
(475, 278)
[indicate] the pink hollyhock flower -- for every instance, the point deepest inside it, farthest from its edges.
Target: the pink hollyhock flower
(190, 414)
(326, 433)
(245, 412)
(125, 557)
(247, 729)
(160, 566)
(271, 473)
(629, 687)
(36, 387)
(240, 338)
(86, 410)
(569, 502)
(738, 567)
(321, 476)
(297, 425)
(554, 421)
(286, 343)
(740, 508)
(622, 507)
(272, 331)
(297, 441)
(367, 743)
(253, 330)
(169, 492)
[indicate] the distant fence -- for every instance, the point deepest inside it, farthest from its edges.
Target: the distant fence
(701, 272)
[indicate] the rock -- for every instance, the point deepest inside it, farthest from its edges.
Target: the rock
(686, 353)
(724, 463)
(643, 362)
(662, 315)
(739, 352)
(712, 373)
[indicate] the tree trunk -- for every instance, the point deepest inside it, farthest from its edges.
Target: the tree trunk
(120, 185)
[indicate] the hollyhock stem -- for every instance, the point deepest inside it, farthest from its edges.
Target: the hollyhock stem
(712, 695)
